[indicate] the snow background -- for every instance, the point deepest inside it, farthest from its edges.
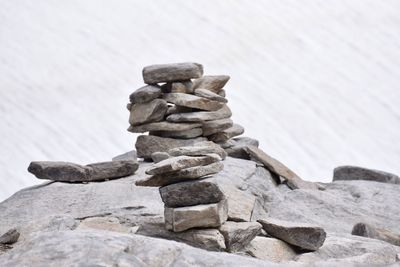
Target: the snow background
(317, 82)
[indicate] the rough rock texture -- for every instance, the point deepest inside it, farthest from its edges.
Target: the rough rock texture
(305, 236)
(201, 116)
(210, 95)
(212, 127)
(9, 237)
(171, 72)
(112, 169)
(145, 94)
(358, 173)
(192, 101)
(200, 149)
(163, 126)
(239, 234)
(59, 171)
(270, 249)
(185, 87)
(131, 155)
(226, 134)
(159, 156)
(240, 204)
(237, 147)
(366, 230)
(148, 112)
(213, 83)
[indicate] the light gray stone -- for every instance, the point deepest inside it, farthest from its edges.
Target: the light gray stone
(186, 134)
(163, 126)
(210, 95)
(240, 204)
(159, 156)
(172, 72)
(60, 171)
(226, 134)
(148, 112)
(10, 237)
(112, 169)
(213, 83)
(203, 216)
(145, 94)
(200, 116)
(200, 149)
(305, 236)
(192, 101)
(238, 148)
(366, 230)
(359, 173)
(185, 87)
(270, 249)
(130, 155)
(237, 235)
(212, 127)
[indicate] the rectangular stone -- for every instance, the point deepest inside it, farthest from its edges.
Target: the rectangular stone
(172, 72)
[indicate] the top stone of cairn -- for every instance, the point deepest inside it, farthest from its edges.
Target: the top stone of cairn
(172, 72)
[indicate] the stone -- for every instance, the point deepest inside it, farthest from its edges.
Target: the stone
(163, 126)
(200, 149)
(159, 156)
(192, 101)
(270, 249)
(129, 106)
(213, 83)
(213, 127)
(185, 87)
(226, 134)
(191, 193)
(173, 109)
(145, 94)
(238, 149)
(112, 169)
(222, 93)
(366, 230)
(344, 173)
(181, 162)
(187, 134)
(172, 72)
(203, 216)
(148, 112)
(275, 166)
(237, 235)
(201, 116)
(302, 235)
(10, 237)
(210, 95)
(182, 175)
(148, 144)
(240, 204)
(131, 155)
(60, 171)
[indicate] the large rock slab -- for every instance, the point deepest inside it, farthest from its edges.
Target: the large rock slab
(192, 101)
(200, 149)
(239, 234)
(270, 249)
(145, 94)
(203, 216)
(213, 83)
(366, 230)
(227, 134)
(148, 112)
(359, 173)
(200, 116)
(186, 134)
(191, 193)
(212, 127)
(304, 236)
(171, 72)
(163, 126)
(210, 95)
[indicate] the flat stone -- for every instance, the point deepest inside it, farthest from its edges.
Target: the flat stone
(203, 216)
(302, 235)
(159, 156)
(148, 112)
(148, 144)
(145, 94)
(185, 87)
(173, 109)
(192, 101)
(227, 134)
(211, 82)
(200, 149)
(130, 155)
(163, 126)
(10, 237)
(112, 169)
(200, 116)
(182, 175)
(275, 166)
(346, 173)
(191, 193)
(237, 235)
(210, 95)
(240, 204)
(181, 162)
(366, 230)
(213, 127)
(187, 134)
(172, 72)
(60, 171)
(270, 249)
(238, 147)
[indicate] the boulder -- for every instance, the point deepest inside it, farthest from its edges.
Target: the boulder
(200, 116)
(239, 234)
(357, 173)
(302, 235)
(213, 127)
(159, 156)
(148, 112)
(145, 94)
(112, 169)
(366, 230)
(192, 101)
(10, 237)
(171, 72)
(213, 83)
(163, 126)
(203, 216)
(185, 87)
(210, 95)
(226, 134)
(191, 193)
(130, 155)
(186, 134)
(270, 249)
(200, 149)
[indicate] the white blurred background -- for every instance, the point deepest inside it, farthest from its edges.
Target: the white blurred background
(317, 82)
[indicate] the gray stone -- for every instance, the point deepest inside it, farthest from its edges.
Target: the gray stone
(270, 249)
(210, 95)
(129, 106)
(239, 234)
(366, 230)
(222, 93)
(181, 162)
(173, 109)
(163, 126)
(148, 144)
(192, 101)
(203, 216)
(275, 166)
(187, 134)
(211, 82)
(131, 155)
(191, 193)
(10, 237)
(112, 169)
(200, 149)
(359, 173)
(200, 116)
(148, 112)
(238, 147)
(60, 171)
(172, 72)
(185, 87)
(182, 175)
(305, 236)
(145, 94)
(212, 127)
(240, 204)
(159, 156)
(226, 134)
(105, 223)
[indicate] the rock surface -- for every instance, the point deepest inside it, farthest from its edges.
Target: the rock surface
(366, 230)
(131, 155)
(201, 116)
(210, 95)
(145, 94)
(226, 134)
(10, 237)
(163, 126)
(212, 127)
(358, 173)
(213, 83)
(171, 72)
(192, 101)
(148, 112)
(270, 249)
(200, 149)
(239, 234)
(238, 147)
(60, 171)
(185, 87)
(159, 156)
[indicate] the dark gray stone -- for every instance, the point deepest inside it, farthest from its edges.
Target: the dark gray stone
(173, 109)
(358, 173)
(200, 116)
(210, 95)
(366, 230)
(163, 126)
(112, 169)
(213, 83)
(172, 72)
(238, 147)
(159, 156)
(187, 134)
(192, 101)
(145, 94)
(148, 112)
(237, 235)
(213, 127)
(185, 87)
(10, 237)
(227, 134)
(60, 171)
